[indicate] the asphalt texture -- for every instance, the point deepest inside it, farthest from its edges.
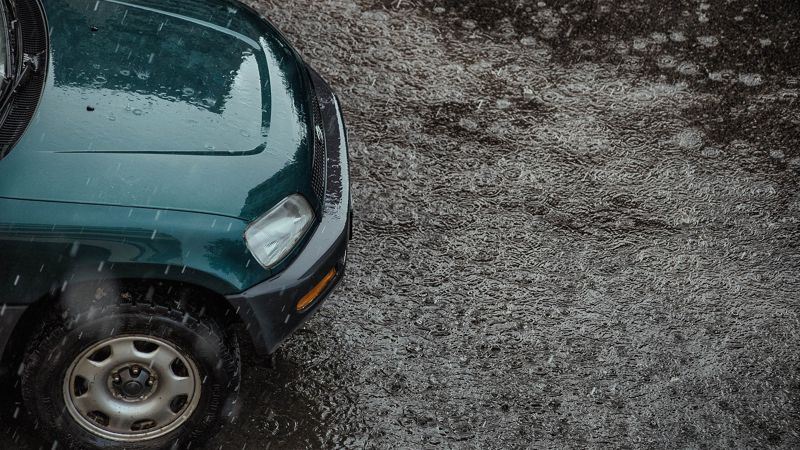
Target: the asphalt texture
(577, 225)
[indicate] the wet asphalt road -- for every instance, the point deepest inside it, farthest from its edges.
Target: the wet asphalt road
(577, 225)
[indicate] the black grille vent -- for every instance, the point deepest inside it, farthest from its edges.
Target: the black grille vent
(318, 166)
(34, 38)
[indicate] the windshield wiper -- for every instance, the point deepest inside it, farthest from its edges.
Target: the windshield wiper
(24, 64)
(30, 65)
(13, 36)
(13, 50)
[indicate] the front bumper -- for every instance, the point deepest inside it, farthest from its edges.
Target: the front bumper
(268, 309)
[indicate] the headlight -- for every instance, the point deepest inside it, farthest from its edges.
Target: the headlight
(276, 233)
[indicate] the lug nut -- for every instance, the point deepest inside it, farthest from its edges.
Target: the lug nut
(116, 378)
(135, 370)
(150, 381)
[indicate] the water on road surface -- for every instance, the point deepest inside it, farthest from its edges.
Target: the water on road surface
(577, 224)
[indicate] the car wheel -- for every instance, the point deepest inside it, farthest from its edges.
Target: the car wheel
(131, 376)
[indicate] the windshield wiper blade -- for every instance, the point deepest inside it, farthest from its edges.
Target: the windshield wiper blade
(13, 34)
(14, 48)
(30, 66)
(23, 64)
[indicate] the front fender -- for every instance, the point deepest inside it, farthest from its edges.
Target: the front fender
(46, 246)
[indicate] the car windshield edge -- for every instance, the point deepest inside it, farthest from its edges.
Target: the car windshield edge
(10, 46)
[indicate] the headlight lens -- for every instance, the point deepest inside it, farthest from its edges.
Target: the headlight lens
(276, 233)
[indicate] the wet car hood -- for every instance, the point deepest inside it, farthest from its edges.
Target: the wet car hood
(193, 105)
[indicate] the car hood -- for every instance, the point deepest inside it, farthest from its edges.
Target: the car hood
(195, 105)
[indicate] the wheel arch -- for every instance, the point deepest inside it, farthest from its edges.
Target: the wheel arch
(81, 296)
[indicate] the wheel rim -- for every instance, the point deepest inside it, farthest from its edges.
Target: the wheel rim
(132, 388)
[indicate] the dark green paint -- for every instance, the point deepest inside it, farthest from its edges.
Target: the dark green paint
(48, 245)
(199, 124)
(198, 106)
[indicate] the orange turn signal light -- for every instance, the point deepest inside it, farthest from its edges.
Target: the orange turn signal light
(312, 295)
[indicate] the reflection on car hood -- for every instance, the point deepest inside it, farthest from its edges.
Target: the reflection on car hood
(174, 104)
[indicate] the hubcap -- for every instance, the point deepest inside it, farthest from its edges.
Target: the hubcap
(132, 388)
(132, 383)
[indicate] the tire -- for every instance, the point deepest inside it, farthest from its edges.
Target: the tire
(56, 398)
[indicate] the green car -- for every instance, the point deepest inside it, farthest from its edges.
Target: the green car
(172, 176)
